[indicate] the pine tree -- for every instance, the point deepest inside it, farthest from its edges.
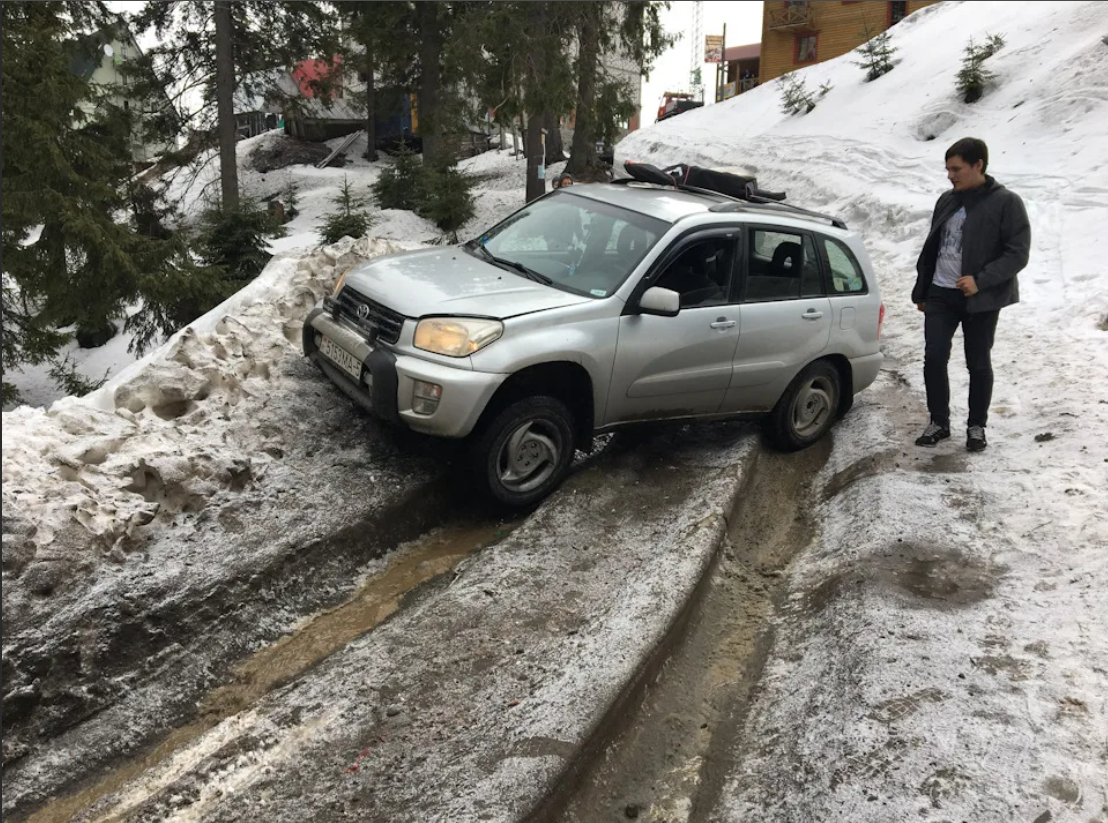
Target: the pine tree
(795, 97)
(632, 29)
(66, 174)
(973, 78)
(447, 199)
(876, 56)
(349, 219)
(400, 186)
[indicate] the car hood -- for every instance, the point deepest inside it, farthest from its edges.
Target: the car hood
(452, 281)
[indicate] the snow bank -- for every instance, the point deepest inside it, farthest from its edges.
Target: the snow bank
(155, 439)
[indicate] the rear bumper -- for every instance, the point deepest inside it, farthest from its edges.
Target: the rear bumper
(865, 369)
(388, 380)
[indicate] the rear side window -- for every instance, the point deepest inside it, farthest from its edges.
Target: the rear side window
(782, 266)
(846, 275)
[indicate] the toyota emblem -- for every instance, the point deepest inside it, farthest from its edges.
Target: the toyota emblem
(363, 311)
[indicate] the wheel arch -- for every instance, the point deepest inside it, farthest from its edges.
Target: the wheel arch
(561, 379)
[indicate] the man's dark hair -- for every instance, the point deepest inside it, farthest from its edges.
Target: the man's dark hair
(971, 150)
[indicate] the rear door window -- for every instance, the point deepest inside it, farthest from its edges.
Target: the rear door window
(846, 274)
(783, 265)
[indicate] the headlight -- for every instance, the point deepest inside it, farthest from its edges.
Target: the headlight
(456, 336)
(340, 281)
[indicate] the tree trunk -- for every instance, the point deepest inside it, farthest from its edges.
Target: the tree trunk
(555, 151)
(370, 98)
(536, 184)
(225, 105)
(582, 155)
(532, 140)
(430, 51)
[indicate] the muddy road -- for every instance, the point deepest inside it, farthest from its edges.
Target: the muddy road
(668, 762)
(248, 676)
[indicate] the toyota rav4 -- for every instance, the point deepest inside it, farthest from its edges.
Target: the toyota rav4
(604, 305)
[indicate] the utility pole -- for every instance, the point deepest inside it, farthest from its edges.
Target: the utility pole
(721, 66)
(696, 51)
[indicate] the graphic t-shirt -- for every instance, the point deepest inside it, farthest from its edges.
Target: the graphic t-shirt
(948, 268)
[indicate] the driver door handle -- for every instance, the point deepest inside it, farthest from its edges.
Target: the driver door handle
(723, 323)
(812, 314)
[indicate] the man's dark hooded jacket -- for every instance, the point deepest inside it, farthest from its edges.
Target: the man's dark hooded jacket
(996, 242)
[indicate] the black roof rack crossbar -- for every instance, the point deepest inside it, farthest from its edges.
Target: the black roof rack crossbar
(739, 205)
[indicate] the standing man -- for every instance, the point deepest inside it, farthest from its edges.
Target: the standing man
(980, 240)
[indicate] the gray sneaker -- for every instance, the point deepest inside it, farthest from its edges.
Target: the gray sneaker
(975, 439)
(932, 435)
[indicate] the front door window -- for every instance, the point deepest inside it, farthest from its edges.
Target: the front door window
(701, 273)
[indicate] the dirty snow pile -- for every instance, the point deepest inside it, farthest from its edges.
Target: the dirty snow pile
(163, 435)
(956, 667)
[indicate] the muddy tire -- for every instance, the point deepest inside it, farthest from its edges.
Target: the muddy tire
(524, 452)
(807, 408)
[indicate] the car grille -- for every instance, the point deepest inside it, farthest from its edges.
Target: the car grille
(373, 319)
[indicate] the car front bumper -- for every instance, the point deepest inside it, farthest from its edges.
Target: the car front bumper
(387, 382)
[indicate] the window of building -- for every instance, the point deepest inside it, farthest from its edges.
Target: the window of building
(806, 48)
(897, 12)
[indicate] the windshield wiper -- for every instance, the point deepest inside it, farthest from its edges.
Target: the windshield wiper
(538, 277)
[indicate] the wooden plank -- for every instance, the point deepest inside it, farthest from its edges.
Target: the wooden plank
(343, 146)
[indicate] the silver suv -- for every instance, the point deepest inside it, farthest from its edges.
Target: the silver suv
(600, 306)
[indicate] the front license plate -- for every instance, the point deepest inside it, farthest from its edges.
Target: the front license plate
(341, 358)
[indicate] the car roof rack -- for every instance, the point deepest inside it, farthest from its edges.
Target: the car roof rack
(751, 195)
(773, 205)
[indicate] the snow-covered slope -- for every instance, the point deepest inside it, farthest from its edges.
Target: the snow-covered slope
(946, 646)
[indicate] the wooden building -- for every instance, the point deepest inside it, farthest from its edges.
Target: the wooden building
(798, 34)
(740, 70)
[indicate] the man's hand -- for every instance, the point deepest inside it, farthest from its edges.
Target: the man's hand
(968, 285)
(919, 306)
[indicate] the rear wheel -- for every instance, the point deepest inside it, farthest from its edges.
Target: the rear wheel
(522, 455)
(807, 408)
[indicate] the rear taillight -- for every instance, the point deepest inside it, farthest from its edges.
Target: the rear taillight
(880, 320)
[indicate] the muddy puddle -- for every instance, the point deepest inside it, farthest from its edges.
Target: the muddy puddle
(313, 640)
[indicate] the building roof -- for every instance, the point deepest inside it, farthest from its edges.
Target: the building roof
(749, 52)
(276, 90)
(86, 51)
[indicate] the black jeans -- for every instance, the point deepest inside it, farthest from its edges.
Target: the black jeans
(944, 311)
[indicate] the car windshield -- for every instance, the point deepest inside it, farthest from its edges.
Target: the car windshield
(571, 242)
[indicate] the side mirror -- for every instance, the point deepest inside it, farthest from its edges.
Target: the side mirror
(663, 302)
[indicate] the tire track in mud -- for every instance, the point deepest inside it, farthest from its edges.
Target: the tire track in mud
(668, 762)
(182, 771)
(431, 556)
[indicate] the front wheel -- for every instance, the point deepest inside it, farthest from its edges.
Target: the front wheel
(807, 408)
(525, 452)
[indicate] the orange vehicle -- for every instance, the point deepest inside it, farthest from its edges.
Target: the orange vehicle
(677, 101)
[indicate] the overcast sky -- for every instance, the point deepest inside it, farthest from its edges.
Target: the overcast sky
(671, 72)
